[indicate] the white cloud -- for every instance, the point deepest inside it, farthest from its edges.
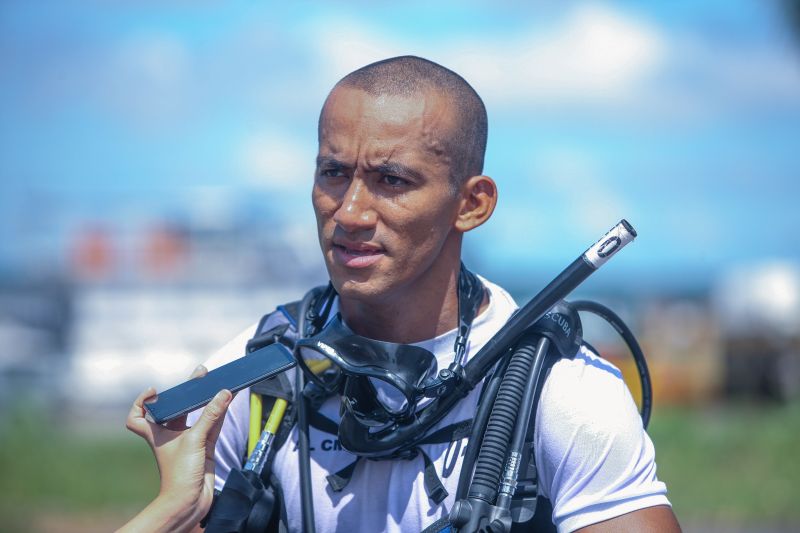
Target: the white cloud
(595, 58)
(148, 79)
(345, 45)
(580, 189)
(159, 60)
(211, 207)
(593, 52)
(273, 161)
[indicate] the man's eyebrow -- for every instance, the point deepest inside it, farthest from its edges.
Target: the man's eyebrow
(330, 162)
(397, 169)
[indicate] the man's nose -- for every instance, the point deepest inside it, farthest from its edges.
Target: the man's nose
(356, 211)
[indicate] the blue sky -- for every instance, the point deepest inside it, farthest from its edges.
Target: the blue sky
(683, 117)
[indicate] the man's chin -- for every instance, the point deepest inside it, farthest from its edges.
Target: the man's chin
(356, 289)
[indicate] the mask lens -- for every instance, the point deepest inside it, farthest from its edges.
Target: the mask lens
(320, 369)
(374, 417)
(390, 397)
(361, 400)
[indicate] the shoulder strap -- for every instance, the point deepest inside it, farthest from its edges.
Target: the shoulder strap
(280, 386)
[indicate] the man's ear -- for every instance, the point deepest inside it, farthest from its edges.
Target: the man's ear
(478, 199)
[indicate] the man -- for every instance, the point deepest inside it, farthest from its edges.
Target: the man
(398, 182)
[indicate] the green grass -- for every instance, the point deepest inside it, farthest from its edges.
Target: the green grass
(57, 471)
(734, 464)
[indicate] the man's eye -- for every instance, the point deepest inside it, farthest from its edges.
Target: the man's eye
(331, 173)
(394, 181)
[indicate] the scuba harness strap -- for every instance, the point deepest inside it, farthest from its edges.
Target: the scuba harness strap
(280, 386)
(433, 485)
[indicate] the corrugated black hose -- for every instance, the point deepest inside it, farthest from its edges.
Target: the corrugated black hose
(492, 455)
(485, 403)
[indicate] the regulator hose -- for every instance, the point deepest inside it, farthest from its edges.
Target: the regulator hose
(492, 455)
(488, 395)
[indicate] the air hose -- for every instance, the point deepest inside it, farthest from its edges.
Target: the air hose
(488, 501)
(485, 403)
(492, 455)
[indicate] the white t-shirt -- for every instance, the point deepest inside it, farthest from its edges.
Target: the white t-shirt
(594, 459)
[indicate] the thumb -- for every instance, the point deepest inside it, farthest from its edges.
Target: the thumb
(213, 414)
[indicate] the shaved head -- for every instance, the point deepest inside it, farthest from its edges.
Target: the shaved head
(407, 76)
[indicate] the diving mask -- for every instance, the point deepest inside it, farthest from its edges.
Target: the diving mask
(379, 381)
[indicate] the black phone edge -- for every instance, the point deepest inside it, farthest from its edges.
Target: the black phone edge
(172, 416)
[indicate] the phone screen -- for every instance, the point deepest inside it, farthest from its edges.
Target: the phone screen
(234, 376)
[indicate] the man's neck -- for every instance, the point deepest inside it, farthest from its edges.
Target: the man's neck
(409, 315)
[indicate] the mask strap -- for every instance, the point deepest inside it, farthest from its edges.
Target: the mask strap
(470, 297)
(318, 312)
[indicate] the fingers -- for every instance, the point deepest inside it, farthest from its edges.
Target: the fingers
(210, 421)
(145, 395)
(135, 421)
(216, 428)
(179, 424)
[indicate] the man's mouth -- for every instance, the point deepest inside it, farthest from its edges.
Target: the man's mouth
(357, 255)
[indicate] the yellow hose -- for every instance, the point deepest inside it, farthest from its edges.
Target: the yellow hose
(256, 405)
(277, 412)
(275, 416)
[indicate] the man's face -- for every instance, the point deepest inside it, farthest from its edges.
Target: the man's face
(382, 196)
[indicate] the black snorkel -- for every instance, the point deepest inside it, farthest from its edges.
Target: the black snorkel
(457, 381)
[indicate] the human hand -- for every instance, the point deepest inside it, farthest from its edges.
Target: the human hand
(185, 458)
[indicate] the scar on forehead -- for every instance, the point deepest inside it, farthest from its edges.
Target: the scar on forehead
(436, 141)
(389, 156)
(436, 145)
(437, 128)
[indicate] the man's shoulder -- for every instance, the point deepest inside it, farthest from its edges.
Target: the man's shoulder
(585, 407)
(587, 389)
(595, 459)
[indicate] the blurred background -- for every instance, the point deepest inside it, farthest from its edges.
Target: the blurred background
(155, 168)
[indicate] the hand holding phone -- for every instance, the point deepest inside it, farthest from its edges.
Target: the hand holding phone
(234, 376)
(182, 455)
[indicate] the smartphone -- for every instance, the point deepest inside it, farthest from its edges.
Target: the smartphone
(234, 376)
